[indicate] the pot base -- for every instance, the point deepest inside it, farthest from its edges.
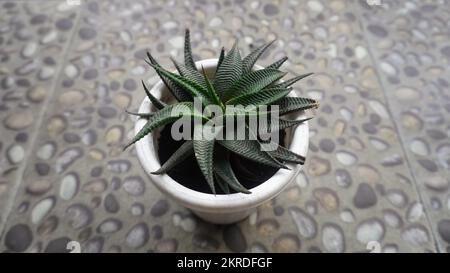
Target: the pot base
(224, 218)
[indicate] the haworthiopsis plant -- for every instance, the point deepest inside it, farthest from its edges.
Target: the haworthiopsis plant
(235, 82)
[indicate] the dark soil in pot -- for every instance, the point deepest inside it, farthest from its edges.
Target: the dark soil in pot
(188, 174)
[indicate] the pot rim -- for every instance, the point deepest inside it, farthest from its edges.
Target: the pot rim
(221, 202)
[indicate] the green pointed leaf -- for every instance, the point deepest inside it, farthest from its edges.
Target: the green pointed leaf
(253, 134)
(248, 111)
(252, 82)
(188, 59)
(278, 63)
(266, 128)
(229, 71)
(204, 151)
(163, 117)
(156, 102)
(176, 91)
(185, 150)
(287, 155)
(212, 93)
(142, 115)
(222, 184)
(193, 75)
(290, 104)
(262, 97)
(249, 61)
(250, 149)
(223, 169)
(293, 80)
(221, 57)
(193, 88)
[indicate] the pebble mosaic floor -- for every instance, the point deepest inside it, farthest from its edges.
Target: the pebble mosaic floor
(378, 167)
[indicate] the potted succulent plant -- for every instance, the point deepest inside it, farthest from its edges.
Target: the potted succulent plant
(222, 179)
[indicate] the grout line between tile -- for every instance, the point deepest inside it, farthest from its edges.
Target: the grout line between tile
(21, 170)
(382, 84)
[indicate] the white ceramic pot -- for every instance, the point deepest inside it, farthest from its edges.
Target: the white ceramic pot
(221, 208)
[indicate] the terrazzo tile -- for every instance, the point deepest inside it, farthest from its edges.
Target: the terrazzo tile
(46, 158)
(33, 38)
(356, 185)
(410, 44)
